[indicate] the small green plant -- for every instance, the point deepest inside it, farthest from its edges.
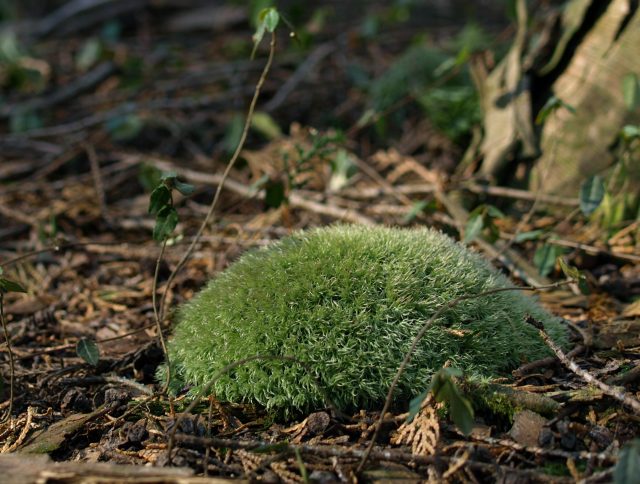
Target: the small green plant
(482, 221)
(161, 205)
(348, 301)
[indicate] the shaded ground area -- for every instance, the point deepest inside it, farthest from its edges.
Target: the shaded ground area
(94, 106)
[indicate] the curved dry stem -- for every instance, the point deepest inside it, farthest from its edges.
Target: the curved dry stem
(225, 175)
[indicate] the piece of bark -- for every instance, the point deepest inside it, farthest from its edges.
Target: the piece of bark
(20, 469)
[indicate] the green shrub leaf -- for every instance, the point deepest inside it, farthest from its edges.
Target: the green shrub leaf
(569, 271)
(264, 124)
(415, 404)
(7, 285)
(184, 188)
(445, 390)
(160, 198)
(270, 17)
(87, 349)
(591, 194)
(545, 258)
(149, 176)
(123, 128)
(275, 193)
(166, 222)
(630, 132)
(474, 226)
(531, 235)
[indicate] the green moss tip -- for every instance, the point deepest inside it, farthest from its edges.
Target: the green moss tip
(348, 301)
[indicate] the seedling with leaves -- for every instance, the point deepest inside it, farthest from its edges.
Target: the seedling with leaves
(444, 389)
(161, 205)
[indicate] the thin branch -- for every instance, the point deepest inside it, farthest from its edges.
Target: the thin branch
(614, 392)
(225, 175)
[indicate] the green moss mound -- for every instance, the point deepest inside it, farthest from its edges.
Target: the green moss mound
(348, 301)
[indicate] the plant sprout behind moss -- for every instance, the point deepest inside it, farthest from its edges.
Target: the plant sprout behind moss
(347, 301)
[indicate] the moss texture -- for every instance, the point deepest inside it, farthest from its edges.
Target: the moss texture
(348, 301)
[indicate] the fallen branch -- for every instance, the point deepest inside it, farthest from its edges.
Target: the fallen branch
(614, 392)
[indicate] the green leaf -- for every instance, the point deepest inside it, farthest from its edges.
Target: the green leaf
(264, 124)
(274, 193)
(474, 226)
(123, 128)
(233, 133)
(169, 176)
(160, 198)
(545, 258)
(270, 17)
(569, 271)
(584, 286)
(532, 235)
(630, 132)
(89, 54)
(631, 91)
(552, 105)
(24, 120)
(415, 404)
(166, 222)
(445, 390)
(7, 285)
(591, 194)
(342, 169)
(87, 349)
(494, 212)
(184, 188)
(416, 209)
(627, 468)
(149, 176)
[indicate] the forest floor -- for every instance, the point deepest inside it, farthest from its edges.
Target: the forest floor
(93, 112)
